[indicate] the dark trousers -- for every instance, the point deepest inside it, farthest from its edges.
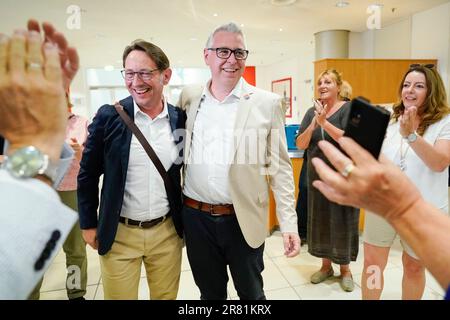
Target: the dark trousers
(302, 200)
(212, 243)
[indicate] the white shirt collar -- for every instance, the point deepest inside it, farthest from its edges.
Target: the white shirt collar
(164, 113)
(236, 92)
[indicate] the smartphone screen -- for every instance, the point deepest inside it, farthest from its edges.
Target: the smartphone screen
(367, 124)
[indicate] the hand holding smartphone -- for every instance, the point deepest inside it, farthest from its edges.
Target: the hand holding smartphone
(367, 124)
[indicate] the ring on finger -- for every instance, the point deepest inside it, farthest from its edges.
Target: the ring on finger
(347, 170)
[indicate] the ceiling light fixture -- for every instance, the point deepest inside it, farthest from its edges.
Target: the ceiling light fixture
(109, 68)
(342, 4)
(281, 3)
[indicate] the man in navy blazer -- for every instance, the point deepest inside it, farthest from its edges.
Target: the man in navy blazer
(138, 221)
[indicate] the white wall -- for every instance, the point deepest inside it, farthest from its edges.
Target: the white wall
(394, 41)
(285, 69)
(389, 42)
(431, 38)
(78, 94)
(301, 70)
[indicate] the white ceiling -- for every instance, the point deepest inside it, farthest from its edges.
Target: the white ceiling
(181, 27)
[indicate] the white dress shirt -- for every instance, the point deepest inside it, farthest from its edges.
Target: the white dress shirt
(211, 150)
(145, 196)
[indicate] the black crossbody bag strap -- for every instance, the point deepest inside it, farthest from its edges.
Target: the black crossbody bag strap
(147, 147)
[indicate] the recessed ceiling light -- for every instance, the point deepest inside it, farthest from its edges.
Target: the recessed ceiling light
(215, 15)
(242, 25)
(281, 29)
(193, 39)
(342, 4)
(109, 68)
(281, 3)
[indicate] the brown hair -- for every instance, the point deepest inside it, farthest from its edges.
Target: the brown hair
(435, 106)
(153, 52)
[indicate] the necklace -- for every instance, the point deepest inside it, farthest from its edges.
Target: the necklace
(402, 163)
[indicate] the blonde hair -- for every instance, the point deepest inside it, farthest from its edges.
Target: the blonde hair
(335, 75)
(435, 106)
(346, 91)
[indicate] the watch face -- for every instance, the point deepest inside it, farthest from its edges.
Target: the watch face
(412, 137)
(26, 162)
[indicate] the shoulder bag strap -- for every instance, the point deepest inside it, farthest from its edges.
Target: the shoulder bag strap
(147, 147)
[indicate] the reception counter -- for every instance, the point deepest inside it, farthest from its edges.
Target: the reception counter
(297, 162)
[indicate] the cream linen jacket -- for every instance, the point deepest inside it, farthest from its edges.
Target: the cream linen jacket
(260, 113)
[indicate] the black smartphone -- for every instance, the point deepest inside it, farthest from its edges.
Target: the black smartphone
(367, 124)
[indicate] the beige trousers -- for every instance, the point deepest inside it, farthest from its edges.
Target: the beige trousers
(159, 248)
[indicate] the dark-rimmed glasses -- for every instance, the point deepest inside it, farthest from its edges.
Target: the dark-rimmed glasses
(145, 75)
(225, 53)
(417, 65)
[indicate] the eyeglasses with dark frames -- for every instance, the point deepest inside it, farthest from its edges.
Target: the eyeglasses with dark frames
(145, 75)
(225, 53)
(418, 65)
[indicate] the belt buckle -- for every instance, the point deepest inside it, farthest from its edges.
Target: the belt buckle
(151, 223)
(146, 224)
(211, 211)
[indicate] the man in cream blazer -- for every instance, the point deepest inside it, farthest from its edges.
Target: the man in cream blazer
(235, 150)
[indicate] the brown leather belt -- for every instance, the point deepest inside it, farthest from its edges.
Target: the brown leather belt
(212, 209)
(143, 224)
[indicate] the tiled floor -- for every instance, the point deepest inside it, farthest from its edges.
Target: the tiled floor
(284, 279)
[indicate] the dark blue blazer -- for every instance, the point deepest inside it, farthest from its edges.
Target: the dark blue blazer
(107, 152)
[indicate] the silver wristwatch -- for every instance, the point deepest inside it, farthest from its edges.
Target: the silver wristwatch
(28, 162)
(411, 137)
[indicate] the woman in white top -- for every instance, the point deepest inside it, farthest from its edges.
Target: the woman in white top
(418, 141)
